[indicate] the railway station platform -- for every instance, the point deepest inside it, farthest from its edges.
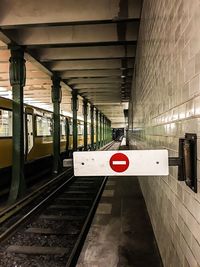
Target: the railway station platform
(74, 76)
(121, 234)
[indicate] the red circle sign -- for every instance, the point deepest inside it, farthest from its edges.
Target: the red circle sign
(119, 162)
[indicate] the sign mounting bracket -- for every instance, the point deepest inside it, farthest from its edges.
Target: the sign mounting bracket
(187, 160)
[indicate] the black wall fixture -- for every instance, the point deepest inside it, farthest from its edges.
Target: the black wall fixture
(187, 160)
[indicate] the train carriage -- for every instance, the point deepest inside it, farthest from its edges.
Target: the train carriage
(38, 137)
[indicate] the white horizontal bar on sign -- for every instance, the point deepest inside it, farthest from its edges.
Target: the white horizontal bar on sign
(121, 163)
(115, 162)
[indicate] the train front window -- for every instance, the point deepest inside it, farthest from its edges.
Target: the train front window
(44, 126)
(5, 123)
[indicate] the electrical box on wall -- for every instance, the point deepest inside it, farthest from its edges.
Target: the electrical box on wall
(187, 160)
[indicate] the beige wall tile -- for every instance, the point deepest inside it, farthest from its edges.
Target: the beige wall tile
(166, 105)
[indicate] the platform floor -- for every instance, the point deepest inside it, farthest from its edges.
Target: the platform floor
(121, 234)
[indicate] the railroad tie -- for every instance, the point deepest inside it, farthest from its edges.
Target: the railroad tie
(49, 231)
(37, 250)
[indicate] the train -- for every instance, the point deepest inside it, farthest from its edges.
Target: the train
(38, 139)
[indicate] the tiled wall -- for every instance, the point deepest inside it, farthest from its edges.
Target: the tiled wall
(165, 105)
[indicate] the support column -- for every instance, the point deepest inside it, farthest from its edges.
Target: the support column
(106, 130)
(110, 131)
(103, 128)
(97, 129)
(17, 73)
(85, 115)
(74, 111)
(56, 96)
(100, 137)
(92, 126)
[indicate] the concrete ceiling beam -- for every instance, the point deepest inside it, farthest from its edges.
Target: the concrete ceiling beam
(97, 52)
(88, 64)
(63, 11)
(89, 73)
(114, 93)
(92, 73)
(99, 91)
(91, 86)
(107, 80)
(69, 35)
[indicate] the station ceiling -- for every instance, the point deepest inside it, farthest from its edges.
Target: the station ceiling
(90, 44)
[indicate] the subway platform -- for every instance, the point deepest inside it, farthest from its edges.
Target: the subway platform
(121, 234)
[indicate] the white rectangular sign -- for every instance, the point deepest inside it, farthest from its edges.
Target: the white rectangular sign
(121, 163)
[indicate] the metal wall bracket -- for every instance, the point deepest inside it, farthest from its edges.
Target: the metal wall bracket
(187, 160)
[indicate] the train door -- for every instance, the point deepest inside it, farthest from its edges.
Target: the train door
(29, 134)
(67, 133)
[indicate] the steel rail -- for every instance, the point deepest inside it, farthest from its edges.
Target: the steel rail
(106, 147)
(32, 212)
(72, 260)
(80, 241)
(8, 212)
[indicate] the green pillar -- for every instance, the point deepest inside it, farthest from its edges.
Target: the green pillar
(74, 111)
(106, 131)
(110, 128)
(100, 137)
(85, 115)
(97, 129)
(56, 95)
(92, 126)
(17, 73)
(107, 134)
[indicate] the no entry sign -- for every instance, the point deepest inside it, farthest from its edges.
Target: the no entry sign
(119, 162)
(127, 162)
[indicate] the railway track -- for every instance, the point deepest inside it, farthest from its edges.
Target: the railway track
(53, 228)
(52, 231)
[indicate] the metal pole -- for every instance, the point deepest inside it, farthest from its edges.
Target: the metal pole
(106, 130)
(92, 126)
(103, 128)
(74, 110)
(56, 95)
(85, 115)
(17, 72)
(100, 137)
(110, 130)
(97, 129)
